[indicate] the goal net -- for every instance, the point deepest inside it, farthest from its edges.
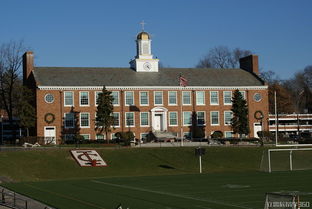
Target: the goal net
(281, 201)
(286, 159)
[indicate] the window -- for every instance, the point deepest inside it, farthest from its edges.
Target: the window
(186, 97)
(68, 98)
(99, 137)
(84, 120)
(113, 136)
(69, 120)
(172, 98)
(84, 98)
(187, 118)
(97, 93)
(69, 137)
(214, 98)
(187, 135)
(116, 119)
(243, 93)
(144, 119)
(214, 118)
(129, 98)
(115, 95)
(173, 118)
(144, 136)
(228, 134)
(144, 98)
(200, 97)
(227, 97)
(201, 118)
(85, 136)
(49, 98)
(158, 97)
(227, 117)
(129, 119)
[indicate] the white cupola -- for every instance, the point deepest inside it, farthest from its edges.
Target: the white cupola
(143, 61)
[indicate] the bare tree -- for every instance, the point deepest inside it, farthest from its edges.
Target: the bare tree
(10, 64)
(222, 57)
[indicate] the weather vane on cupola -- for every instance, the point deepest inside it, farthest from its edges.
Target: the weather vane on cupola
(142, 23)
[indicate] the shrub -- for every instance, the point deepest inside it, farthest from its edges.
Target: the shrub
(217, 135)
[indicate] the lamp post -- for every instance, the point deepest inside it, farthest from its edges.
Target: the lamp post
(1, 130)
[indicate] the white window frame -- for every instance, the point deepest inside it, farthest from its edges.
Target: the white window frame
(176, 118)
(227, 124)
(148, 119)
(86, 135)
(162, 97)
(84, 105)
(73, 103)
(211, 118)
(211, 98)
(118, 120)
(112, 138)
(73, 120)
(88, 120)
(187, 133)
(197, 103)
(95, 97)
(204, 118)
(243, 94)
(183, 98)
(126, 98)
(141, 135)
(147, 98)
(225, 103)
(176, 100)
(190, 118)
(118, 97)
(96, 136)
(126, 125)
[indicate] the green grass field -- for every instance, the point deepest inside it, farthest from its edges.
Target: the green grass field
(163, 178)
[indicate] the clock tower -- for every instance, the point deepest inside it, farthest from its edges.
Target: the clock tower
(144, 61)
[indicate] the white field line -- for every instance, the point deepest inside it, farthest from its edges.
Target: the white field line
(169, 194)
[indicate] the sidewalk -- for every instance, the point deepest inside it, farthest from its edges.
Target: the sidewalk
(20, 201)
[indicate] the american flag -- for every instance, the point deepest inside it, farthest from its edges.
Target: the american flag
(183, 81)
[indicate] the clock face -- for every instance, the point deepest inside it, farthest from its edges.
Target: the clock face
(147, 66)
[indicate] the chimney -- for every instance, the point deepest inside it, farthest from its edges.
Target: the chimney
(250, 64)
(28, 65)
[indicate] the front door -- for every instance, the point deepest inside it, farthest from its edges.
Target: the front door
(158, 122)
(49, 135)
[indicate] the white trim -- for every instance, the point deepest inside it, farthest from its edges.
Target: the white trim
(204, 98)
(73, 98)
(231, 94)
(147, 98)
(80, 99)
(88, 120)
(242, 88)
(184, 118)
(232, 134)
(86, 135)
(146, 133)
(118, 120)
(98, 135)
(217, 98)
(176, 98)
(118, 95)
(126, 98)
(95, 94)
(190, 98)
(45, 98)
(162, 98)
(176, 118)
(148, 119)
(224, 117)
(126, 126)
(204, 118)
(211, 118)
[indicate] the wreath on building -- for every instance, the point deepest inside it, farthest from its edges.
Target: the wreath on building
(258, 115)
(49, 118)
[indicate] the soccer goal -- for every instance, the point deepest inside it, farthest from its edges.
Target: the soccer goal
(286, 159)
(281, 201)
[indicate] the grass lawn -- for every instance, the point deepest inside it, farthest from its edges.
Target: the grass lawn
(158, 178)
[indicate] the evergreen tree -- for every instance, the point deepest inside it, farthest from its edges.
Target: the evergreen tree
(239, 122)
(104, 119)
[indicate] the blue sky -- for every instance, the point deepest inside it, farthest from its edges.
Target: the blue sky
(102, 32)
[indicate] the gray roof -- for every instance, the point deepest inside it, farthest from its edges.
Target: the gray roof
(80, 76)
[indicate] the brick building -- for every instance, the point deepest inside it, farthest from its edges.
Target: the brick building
(146, 98)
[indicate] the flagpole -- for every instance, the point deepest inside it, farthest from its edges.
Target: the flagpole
(181, 117)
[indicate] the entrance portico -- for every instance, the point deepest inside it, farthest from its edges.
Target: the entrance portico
(159, 119)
